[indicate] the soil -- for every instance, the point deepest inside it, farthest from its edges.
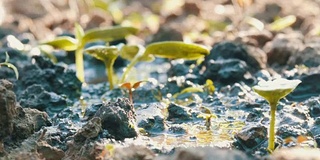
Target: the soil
(47, 113)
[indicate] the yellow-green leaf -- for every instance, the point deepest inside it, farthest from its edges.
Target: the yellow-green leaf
(78, 30)
(101, 4)
(64, 42)
(283, 23)
(14, 68)
(103, 53)
(128, 52)
(176, 50)
(188, 90)
(209, 86)
(276, 89)
(255, 23)
(108, 34)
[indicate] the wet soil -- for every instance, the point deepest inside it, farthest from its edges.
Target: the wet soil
(49, 114)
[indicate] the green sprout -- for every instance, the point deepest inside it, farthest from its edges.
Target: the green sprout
(167, 49)
(78, 43)
(9, 65)
(273, 91)
(108, 55)
(131, 87)
(134, 54)
(207, 115)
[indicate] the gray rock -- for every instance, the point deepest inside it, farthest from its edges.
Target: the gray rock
(314, 106)
(15, 121)
(254, 57)
(151, 118)
(35, 96)
(178, 112)
(226, 71)
(281, 48)
(286, 130)
(89, 130)
(146, 93)
(251, 137)
(309, 57)
(118, 118)
(306, 89)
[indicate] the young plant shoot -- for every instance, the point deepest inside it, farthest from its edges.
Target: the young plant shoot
(131, 87)
(9, 65)
(78, 43)
(207, 115)
(108, 55)
(168, 49)
(273, 91)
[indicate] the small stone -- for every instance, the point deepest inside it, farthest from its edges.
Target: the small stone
(287, 130)
(15, 121)
(309, 57)
(89, 130)
(118, 118)
(226, 71)
(35, 96)
(306, 89)
(178, 112)
(250, 137)
(281, 48)
(176, 129)
(254, 57)
(48, 152)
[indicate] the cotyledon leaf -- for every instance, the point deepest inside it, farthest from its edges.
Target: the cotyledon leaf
(283, 23)
(108, 34)
(103, 53)
(64, 42)
(176, 50)
(129, 52)
(78, 30)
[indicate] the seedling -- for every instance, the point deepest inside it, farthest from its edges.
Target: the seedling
(131, 87)
(168, 49)
(9, 65)
(207, 115)
(134, 54)
(82, 38)
(273, 91)
(107, 55)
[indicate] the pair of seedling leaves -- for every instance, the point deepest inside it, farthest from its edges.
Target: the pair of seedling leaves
(133, 53)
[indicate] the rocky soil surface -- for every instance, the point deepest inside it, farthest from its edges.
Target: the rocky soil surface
(49, 114)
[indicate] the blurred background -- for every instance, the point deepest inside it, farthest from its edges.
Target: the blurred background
(205, 21)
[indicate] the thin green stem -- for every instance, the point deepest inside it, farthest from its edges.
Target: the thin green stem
(79, 63)
(109, 69)
(128, 68)
(273, 107)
